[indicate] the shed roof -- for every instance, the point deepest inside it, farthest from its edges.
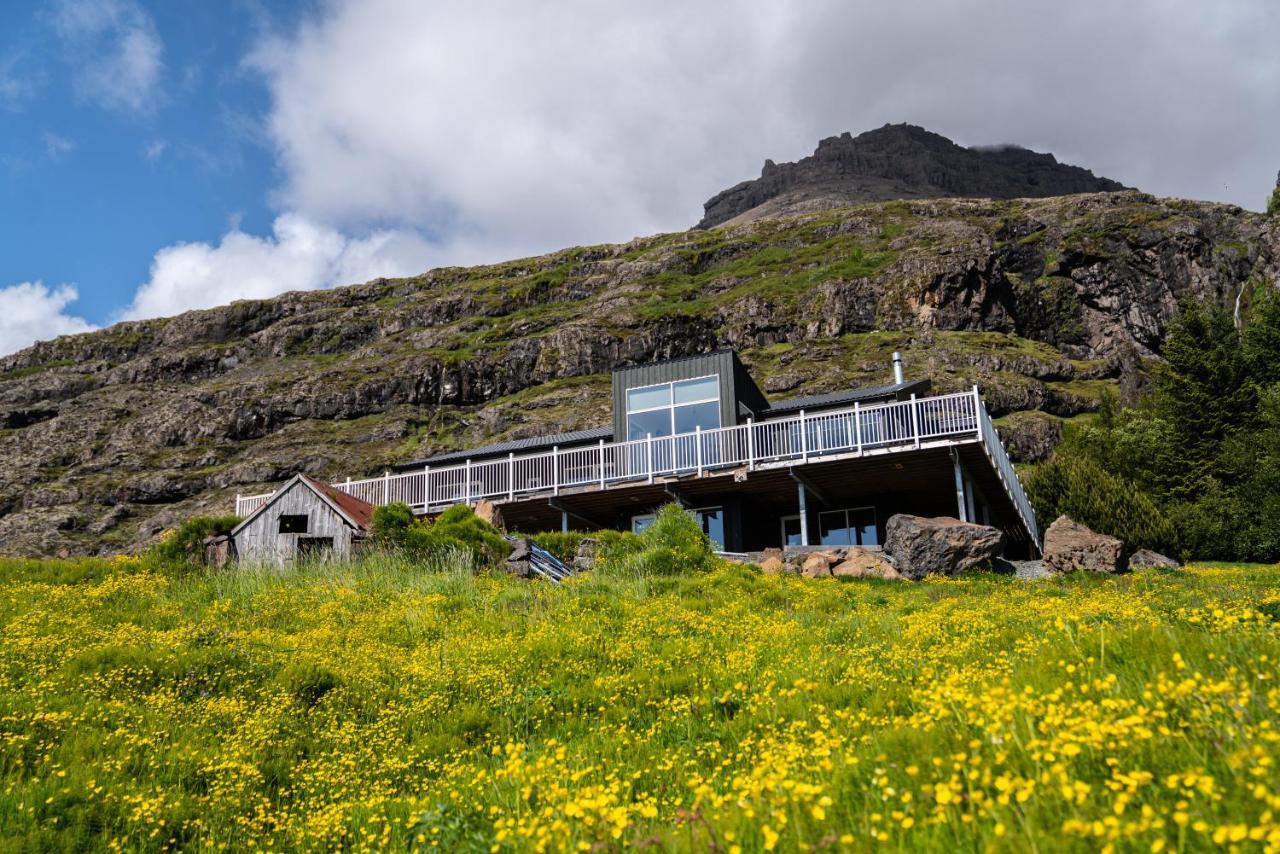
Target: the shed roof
(851, 395)
(356, 512)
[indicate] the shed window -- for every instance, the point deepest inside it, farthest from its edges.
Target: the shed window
(293, 523)
(673, 408)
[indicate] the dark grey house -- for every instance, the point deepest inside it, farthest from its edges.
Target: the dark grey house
(824, 469)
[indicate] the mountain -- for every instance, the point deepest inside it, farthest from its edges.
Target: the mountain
(898, 162)
(109, 437)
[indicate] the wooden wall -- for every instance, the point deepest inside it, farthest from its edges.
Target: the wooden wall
(261, 541)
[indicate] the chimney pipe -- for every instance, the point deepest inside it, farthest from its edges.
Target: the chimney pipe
(898, 377)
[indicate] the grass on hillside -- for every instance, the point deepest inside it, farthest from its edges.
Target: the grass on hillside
(381, 706)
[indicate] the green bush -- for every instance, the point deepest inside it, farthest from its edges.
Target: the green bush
(562, 544)
(673, 545)
(458, 528)
(184, 547)
(1078, 487)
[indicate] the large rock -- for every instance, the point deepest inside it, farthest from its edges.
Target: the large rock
(487, 511)
(584, 558)
(1070, 546)
(939, 545)
(863, 563)
(772, 563)
(1147, 559)
(818, 564)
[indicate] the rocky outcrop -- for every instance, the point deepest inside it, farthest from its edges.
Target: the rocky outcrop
(920, 546)
(898, 162)
(864, 563)
(584, 558)
(110, 437)
(1070, 546)
(1147, 559)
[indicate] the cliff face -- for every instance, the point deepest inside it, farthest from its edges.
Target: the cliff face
(109, 437)
(898, 162)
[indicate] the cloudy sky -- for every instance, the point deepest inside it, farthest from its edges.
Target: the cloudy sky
(176, 154)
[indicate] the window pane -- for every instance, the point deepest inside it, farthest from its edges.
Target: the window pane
(639, 523)
(706, 388)
(712, 521)
(693, 415)
(833, 529)
(649, 397)
(655, 423)
(863, 522)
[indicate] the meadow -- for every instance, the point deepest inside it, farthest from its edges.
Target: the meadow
(378, 705)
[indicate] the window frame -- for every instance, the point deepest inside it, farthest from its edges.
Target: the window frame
(671, 406)
(855, 536)
(306, 523)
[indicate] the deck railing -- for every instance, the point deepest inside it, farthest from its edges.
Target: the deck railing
(802, 438)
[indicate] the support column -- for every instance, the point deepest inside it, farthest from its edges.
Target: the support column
(969, 498)
(804, 515)
(564, 521)
(961, 503)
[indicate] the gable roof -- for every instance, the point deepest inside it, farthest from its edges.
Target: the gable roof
(357, 513)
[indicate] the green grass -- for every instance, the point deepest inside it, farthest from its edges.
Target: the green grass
(385, 705)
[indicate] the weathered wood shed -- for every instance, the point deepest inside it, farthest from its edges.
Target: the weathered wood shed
(303, 519)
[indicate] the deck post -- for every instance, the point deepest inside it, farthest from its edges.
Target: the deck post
(751, 444)
(511, 476)
(977, 405)
(348, 489)
(238, 504)
(960, 496)
(386, 487)
(555, 469)
(426, 487)
(857, 425)
(602, 463)
(915, 420)
(564, 521)
(697, 450)
(648, 446)
(804, 441)
(804, 514)
(466, 473)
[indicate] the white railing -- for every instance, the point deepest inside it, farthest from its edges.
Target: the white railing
(857, 431)
(1008, 476)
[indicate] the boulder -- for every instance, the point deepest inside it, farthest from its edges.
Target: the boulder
(487, 511)
(940, 545)
(519, 548)
(772, 565)
(1147, 559)
(1069, 546)
(817, 564)
(863, 563)
(585, 557)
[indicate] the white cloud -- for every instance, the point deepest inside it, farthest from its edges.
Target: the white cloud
(155, 149)
(18, 81)
(32, 311)
(57, 146)
(114, 47)
(299, 255)
(504, 128)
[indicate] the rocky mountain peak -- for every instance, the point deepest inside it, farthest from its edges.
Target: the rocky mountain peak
(898, 161)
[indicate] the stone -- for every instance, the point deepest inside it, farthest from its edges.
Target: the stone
(1147, 559)
(940, 545)
(487, 511)
(584, 558)
(816, 565)
(519, 548)
(772, 565)
(1070, 546)
(864, 563)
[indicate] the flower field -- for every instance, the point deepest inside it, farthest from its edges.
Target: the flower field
(374, 706)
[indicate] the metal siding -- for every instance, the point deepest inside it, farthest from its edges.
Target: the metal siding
(260, 542)
(719, 363)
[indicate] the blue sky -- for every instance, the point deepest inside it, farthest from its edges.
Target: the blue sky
(162, 156)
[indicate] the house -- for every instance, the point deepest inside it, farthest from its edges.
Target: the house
(826, 469)
(303, 519)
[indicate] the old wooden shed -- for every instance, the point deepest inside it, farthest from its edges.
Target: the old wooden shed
(303, 519)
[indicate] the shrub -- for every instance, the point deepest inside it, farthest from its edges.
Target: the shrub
(673, 545)
(458, 528)
(562, 544)
(1078, 487)
(185, 545)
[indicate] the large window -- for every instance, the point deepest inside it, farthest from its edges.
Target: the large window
(853, 527)
(669, 409)
(293, 523)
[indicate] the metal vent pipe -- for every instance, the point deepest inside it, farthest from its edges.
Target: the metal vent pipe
(898, 376)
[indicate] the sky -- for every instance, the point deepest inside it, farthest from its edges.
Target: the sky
(157, 157)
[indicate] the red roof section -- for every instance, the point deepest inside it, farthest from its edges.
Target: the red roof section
(361, 512)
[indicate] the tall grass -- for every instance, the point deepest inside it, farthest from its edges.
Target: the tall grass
(385, 704)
